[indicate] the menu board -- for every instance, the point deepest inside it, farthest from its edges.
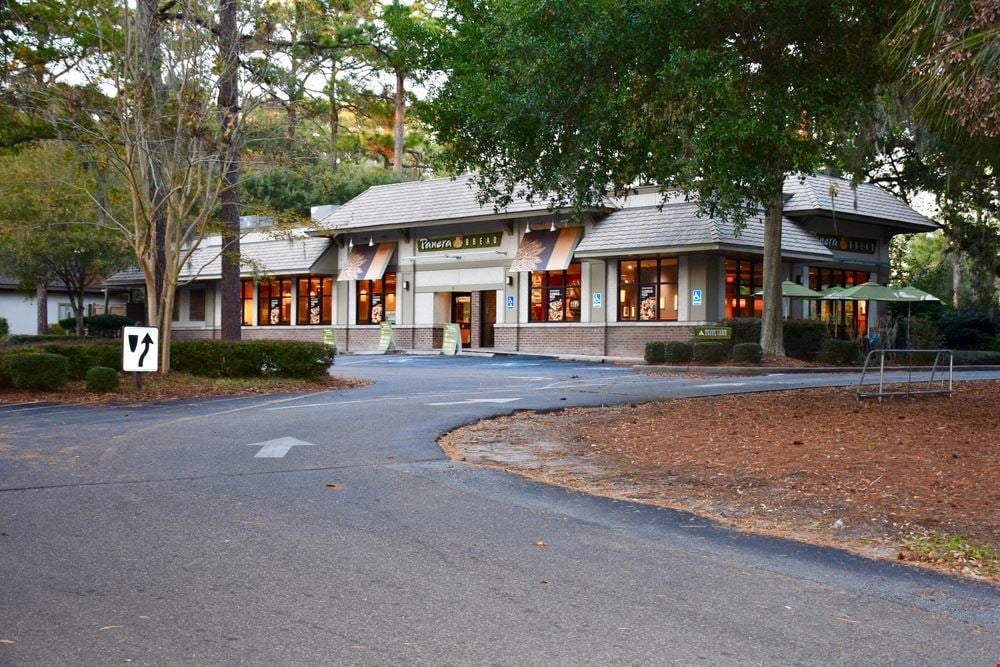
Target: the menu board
(452, 339)
(384, 337)
(314, 309)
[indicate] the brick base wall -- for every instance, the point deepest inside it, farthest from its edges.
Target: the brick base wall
(622, 340)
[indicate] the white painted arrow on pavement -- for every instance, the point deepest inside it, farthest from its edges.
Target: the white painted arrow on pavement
(478, 400)
(277, 448)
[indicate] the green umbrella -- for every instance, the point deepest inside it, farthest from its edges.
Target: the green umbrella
(864, 292)
(909, 295)
(794, 291)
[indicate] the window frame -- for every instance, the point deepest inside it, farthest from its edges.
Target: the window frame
(755, 269)
(385, 295)
(651, 290)
(557, 283)
(324, 293)
(247, 292)
(264, 305)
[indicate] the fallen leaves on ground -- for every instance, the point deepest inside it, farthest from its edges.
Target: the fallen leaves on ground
(815, 464)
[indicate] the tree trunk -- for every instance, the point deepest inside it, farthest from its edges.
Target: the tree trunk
(400, 98)
(956, 278)
(42, 306)
(229, 284)
(334, 120)
(771, 338)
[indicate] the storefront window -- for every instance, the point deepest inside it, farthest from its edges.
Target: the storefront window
(845, 318)
(377, 300)
(274, 302)
(196, 305)
(647, 289)
(314, 300)
(555, 296)
(246, 301)
(744, 278)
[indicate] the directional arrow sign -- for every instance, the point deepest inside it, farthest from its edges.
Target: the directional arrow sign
(140, 349)
(277, 448)
(478, 400)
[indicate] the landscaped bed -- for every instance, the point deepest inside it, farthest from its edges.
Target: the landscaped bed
(910, 479)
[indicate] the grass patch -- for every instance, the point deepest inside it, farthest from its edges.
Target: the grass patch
(955, 550)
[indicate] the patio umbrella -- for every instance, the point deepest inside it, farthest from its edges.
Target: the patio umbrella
(864, 292)
(794, 290)
(909, 295)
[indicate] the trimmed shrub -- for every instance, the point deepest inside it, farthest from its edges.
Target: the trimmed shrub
(923, 334)
(804, 338)
(654, 353)
(677, 350)
(251, 358)
(745, 329)
(99, 326)
(839, 352)
(30, 339)
(83, 357)
(710, 351)
(977, 358)
(4, 328)
(57, 330)
(41, 371)
(102, 379)
(748, 352)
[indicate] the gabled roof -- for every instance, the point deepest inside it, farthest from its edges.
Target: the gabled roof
(420, 203)
(811, 194)
(274, 256)
(677, 226)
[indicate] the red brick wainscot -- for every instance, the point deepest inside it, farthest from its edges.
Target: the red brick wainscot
(616, 339)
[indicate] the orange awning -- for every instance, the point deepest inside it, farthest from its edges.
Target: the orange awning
(366, 262)
(546, 251)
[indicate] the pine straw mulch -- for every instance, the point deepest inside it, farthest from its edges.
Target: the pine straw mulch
(173, 385)
(907, 478)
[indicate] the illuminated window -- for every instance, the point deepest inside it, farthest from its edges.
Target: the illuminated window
(274, 302)
(647, 290)
(246, 301)
(554, 296)
(377, 299)
(315, 300)
(744, 278)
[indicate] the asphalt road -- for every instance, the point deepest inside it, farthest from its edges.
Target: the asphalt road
(155, 534)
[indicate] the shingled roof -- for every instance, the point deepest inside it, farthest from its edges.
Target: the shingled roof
(421, 203)
(677, 226)
(811, 194)
(274, 256)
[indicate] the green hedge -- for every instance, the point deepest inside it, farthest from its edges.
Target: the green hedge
(99, 326)
(745, 329)
(4, 328)
(31, 339)
(677, 350)
(711, 351)
(840, 352)
(654, 353)
(83, 357)
(804, 338)
(41, 371)
(748, 352)
(251, 358)
(102, 379)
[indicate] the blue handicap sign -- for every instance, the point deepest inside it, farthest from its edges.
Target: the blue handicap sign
(598, 298)
(510, 302)
(696, 297)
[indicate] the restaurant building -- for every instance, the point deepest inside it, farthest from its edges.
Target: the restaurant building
(602, 281)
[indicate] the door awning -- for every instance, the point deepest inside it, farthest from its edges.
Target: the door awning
(367, 262)
(546, 251)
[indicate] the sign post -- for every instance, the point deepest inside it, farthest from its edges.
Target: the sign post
(140, 351)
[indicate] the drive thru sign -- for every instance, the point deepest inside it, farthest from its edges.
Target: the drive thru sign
(140, 349)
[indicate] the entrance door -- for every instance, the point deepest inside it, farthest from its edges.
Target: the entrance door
(461, 314)
(489, 317)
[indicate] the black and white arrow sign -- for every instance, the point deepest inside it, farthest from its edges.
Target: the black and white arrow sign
(140, 349)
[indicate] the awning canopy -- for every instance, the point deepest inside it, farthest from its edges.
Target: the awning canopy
(546, 251)
(366, 262)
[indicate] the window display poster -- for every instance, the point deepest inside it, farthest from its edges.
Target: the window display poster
(377, 309)
(647, 302)
(314, 311)
(555, 304)
(274, 312)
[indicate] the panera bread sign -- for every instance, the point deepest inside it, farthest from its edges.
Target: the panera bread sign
(848, 243)
(460, 242)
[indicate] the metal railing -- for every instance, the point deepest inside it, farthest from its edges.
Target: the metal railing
(937, 382)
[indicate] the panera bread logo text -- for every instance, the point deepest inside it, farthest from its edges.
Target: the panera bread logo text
(460, 242)
(849, 243)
